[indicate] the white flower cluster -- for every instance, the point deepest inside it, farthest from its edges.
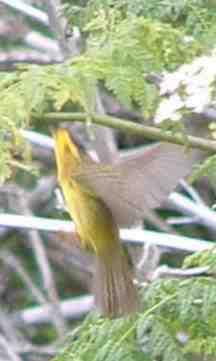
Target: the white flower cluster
(192, 87)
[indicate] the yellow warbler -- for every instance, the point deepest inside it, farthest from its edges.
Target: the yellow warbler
(101, 197)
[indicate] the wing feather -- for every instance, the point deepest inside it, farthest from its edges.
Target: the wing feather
(139, 182)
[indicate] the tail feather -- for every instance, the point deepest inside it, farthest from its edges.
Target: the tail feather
(115, 292)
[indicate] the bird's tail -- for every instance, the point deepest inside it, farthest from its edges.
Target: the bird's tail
(115, 291)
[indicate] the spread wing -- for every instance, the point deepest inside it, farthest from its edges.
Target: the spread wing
(138, 182)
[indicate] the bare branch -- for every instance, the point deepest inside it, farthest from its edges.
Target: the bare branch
(48, 280)
(104, 142)
(74, 308)
(58, 26)
(28, 56)
(12, 355)
(131, 236)
(28, 10)
(9, 329)
(13, 262)
(203, 214)
(38, 139)
(44, 44)
(22, 205)
(167, 272)
(191, 192)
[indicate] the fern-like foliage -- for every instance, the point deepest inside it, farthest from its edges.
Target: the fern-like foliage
(196, 18)
(124, 49)
(207, 168)
(205, 258)
(121, 53)
(178, 322)
(99, 339)
(124, 52)
(31, 91)
(171, 308)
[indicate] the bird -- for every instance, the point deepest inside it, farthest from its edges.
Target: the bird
(101, 197)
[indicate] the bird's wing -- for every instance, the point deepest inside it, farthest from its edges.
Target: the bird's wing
(138, 182)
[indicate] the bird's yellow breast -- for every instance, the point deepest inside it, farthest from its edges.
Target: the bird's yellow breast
(93, 220)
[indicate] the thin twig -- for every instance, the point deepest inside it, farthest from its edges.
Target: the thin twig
(167, 272)
(43, 265)
(8, 328)
(203, 214)
(42, 192)
(104, 140)
(39, 139)
(177, 221)
(13, 262)
(191, 192)
(48, 280)
(12, 355)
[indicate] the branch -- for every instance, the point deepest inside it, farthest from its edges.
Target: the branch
(37, 244)
(8, 328)
(44, 44)
(200, 213)
(168, 272)
(38, 139)
(104, 141)
(133, 236)
(6, 346)
(29, 56)
(28, 10)
(13, 262)
(136, 129)
(48, 280)
(58, 26)
(71, 309)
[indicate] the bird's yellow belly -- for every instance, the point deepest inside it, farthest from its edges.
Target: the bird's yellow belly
(93, 220)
